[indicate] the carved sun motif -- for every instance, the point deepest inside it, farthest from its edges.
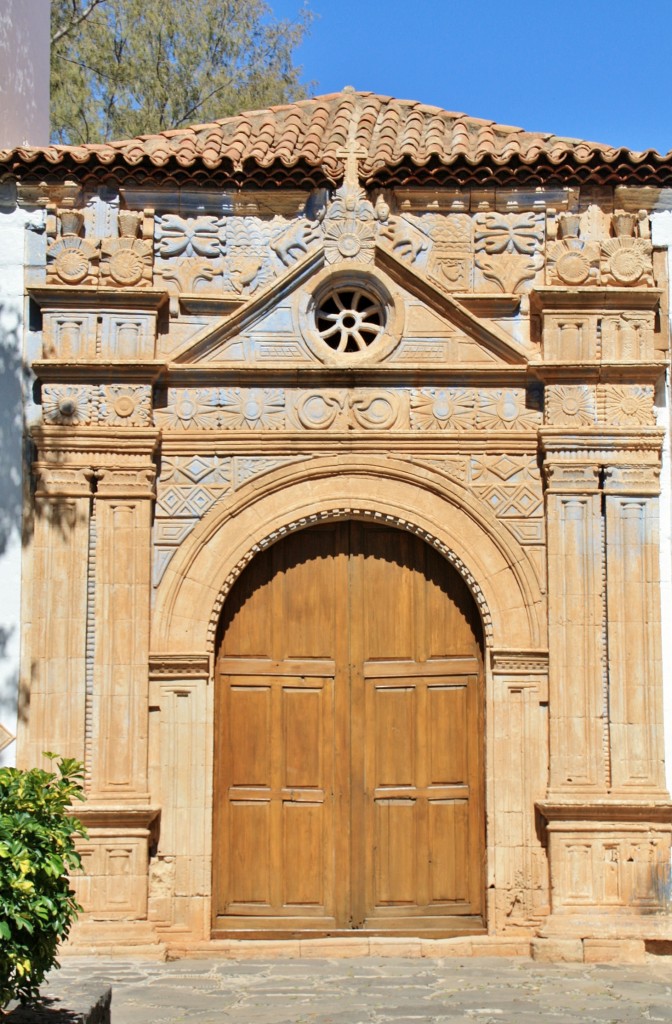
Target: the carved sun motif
(252, 409)
(68, 406)
(124, 406)
(629, 406)
(570, 404)
(442, 409)
(504, 409)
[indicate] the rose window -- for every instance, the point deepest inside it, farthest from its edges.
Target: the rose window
(349, 320)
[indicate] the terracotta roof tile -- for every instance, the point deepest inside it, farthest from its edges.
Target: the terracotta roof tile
(313, 133)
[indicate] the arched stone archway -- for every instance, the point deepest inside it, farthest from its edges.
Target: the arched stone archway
(190, 596)
(501, 579)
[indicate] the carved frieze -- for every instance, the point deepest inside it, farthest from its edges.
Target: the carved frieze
(422, 409)
(120, 405)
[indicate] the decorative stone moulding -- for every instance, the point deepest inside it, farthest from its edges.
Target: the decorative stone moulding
(90, 324)
(611, 325)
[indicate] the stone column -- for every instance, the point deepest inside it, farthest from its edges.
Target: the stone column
(52, 716)
(180, 773)
(576, 630)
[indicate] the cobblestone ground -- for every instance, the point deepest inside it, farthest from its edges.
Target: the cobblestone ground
(377, 991)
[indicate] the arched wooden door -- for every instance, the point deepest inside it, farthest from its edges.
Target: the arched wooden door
(348, 782)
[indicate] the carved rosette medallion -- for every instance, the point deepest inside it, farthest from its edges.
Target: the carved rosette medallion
(573, 262)
(72, 260)
(126, 405)
(627, 261)
(629, 405)
(570, 405)
(127, 262)
(66, 405)
(505, 409)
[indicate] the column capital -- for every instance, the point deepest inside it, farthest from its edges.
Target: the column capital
(126, 482)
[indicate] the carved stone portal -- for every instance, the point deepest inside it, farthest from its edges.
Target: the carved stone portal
(467, 386)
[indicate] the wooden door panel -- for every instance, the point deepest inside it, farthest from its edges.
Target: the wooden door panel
(348, 786)
(276, 779)
(421, 774)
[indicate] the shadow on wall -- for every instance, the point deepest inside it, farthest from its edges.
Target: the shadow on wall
(14, 379)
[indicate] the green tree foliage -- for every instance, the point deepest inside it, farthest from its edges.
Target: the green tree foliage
(121, 68)
(37, 849)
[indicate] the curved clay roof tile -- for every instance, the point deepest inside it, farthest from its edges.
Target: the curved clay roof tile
(459, 141)
(315, 130)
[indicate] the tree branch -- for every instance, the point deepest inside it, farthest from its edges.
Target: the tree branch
(65, 29)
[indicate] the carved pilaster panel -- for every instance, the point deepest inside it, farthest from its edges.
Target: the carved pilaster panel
(56, 632)
(615, 866)
(520, 770)
(628, 336)
(570, 337)
(128, 336)
(69, 335)
(635, 667)
(576, 646)
(119, 762)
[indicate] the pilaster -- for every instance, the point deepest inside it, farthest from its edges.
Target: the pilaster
(53, 686)
(123, 504)
(576, 629)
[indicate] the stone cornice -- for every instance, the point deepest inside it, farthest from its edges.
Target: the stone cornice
(595, 371)
(593, 299)
(173, 667)
(63, 444)
(607, 809)
(89, 371)
(595, 444)
(116, 816)
(68, 297)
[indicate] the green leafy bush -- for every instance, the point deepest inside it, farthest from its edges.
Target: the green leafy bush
(37, 849)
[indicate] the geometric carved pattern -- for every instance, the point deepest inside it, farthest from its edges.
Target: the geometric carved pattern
(189, 486)
(509, 485)
(5, 737)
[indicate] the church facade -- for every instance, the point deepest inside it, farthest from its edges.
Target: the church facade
(342, 572)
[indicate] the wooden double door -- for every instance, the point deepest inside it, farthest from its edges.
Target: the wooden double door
(348, 790)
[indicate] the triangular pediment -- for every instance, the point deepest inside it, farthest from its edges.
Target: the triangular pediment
(274, 327)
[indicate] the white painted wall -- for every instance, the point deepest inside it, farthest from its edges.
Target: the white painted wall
(21, 242)
(661, 236)
(24, 73)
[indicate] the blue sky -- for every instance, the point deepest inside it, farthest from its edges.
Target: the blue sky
(599, 69)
